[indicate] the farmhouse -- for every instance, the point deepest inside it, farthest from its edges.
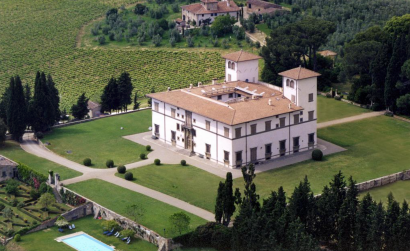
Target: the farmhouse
(241, 120)
(8, 168)
(206, 11)
(262, 7)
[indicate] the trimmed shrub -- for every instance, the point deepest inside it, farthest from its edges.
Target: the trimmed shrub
(317, 155)
(128, 233)
(121, 169)
(328, 95)
(39, 135)
(129, 176)
(339, 98)
(148, 148)
(183, 162)
(157, 162)
(109, 163)
(142, 156)
(17, 238)
(87, 162)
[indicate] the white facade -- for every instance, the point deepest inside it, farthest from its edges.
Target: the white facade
(256, 141)
(247, 71)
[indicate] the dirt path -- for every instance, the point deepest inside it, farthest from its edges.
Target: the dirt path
(349, 119)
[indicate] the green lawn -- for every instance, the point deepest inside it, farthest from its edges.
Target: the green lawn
(264, 28)
(331, 109)
(376, 147)
(12, 150)
(117, 198)
(44, 240)
(101, 140)
(400, 190)
(187, 183)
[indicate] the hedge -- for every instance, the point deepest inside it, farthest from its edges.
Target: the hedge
(29, 214)
(30, 176)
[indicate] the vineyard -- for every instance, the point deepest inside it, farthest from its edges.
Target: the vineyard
(41, 35)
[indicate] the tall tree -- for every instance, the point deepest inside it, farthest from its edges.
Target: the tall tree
(124, 90)
(365, 213)
(42, 111)
(225, 201)
(3, 130)
(4, 102)
(219, 202)
(17, 109)
(301, 203)
(392, 216)
(80, 109)
(109, 98)
(393, 73)
(54, 97)
(136, 103)
(378, 70)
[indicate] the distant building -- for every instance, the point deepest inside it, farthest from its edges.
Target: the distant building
(8, 168)
(241, 120)
(329, 54)
(94, 109)
(206, 11)
(261, 7)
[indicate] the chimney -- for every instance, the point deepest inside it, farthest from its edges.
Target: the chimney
(214, 81)
(269, 102)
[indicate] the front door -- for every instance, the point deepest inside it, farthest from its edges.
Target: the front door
(254, 154)
(282, 147)
(238, 159)
(173, 138)
(268, 151)
(296, 144)
(156, 130)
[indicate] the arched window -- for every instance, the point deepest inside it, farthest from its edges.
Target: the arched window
(292, 84)
(287, 82)
(233, 66)
(229, 64)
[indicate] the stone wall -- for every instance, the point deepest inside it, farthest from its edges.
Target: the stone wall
(382, 181)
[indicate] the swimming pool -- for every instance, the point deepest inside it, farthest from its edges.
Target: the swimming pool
(84, 242)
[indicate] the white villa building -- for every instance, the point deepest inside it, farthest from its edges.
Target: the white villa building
(207, 10)
(242, 120)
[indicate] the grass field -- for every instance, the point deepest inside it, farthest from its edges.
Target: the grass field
(117, 198)
(376, 147)
(44, 240)
(101, 140)
(187, 183)
(331, 109)
(41, 35)
(264, 28)
(12, 150)
(400, 190)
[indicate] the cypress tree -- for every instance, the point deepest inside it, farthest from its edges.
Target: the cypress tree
(376, 233)
(54, 97)
(393, 73)
(229, 200)
(364, 218)
(110, 97)
(392, 215)
(219, 203)
(4, 104)
(3, 130)
(301, 202)
(124, 90)
(80, 110)
(136, 103)
(17, 110)
(378, 69)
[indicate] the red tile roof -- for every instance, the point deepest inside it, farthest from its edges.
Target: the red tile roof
(240, 56)
(222, 7)
(299, 73)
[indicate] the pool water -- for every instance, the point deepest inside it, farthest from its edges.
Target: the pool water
(84, 242)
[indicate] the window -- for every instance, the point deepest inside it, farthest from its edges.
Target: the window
(178, 127)
(268, 148)
(296, 144)
(202, 15)
(238, 132)
(254, 152)
(229, 78)
(239, 95)
(219, 97)
(156, 106)
(208, 125)
(173, 135)
(311, 139)
(287, 82)
(238, 156)
(233, 66)
(268, 125)
(4, 174)
(230, 95)
(282, 147)
(296, 119)
(292, 84)
(229, 64)
(226, 155)
(182, 116)
(226, 132)
(193, 133)
(310, 97)
(173, 112)
(216, 14)
(156, 129)
(311, 113)
(212, 14)
(253, 129)
(178, 115)
(282, 122)
(207, 148)
(293, 99)
(194, 120)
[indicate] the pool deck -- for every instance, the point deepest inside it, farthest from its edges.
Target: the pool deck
(62, 238)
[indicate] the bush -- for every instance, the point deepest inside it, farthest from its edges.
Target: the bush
(87, 162)
(183, 162)
(109, 163)
(108, 225)
(328, 95)
(257, 44)
(121, 169)
(34, 194)
(142, 156)
(129, 176)
(157, 162)
(317, 155)
(148, 148)
(339, 98)
(12, 187)
(128, 233)
(39, 135)
(17, 238)
(44, 188)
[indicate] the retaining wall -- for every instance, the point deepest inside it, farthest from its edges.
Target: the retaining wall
(382, 181)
